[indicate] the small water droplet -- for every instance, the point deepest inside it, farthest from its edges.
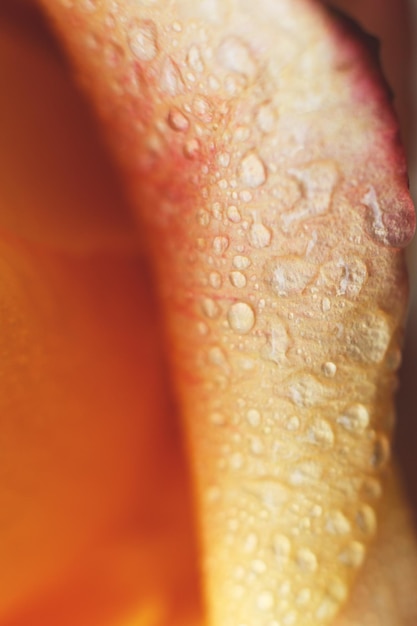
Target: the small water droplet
(233, 214)
(259, 235)
(177, 120)
(289, 276)
(217, 357)
(355, 418)
(171, 80)
(256, 446)
(265, 601)
(307, 473)
(371, 489)
(203, 218)
(241, 317)
(236, 461)
(303, 597)
(265, 118)
(194, 59)
(220, 245)
(210, 308)
(381, 451)
(292, 423)
(142, 36)
(202, 109)
(218, 419)
(191, 148)
(251, 543)
(234, 55)
(253, 417)
(281, 546)
(215, 280)
(223, 159)
(306, 560)
(241, 262)
(353, 555)
(369, 337)
(329, 369)
(306, 391)
(252, 171)
(237, 279)
(326, 305)
(321, 433)
(337, 523)
(366, 520)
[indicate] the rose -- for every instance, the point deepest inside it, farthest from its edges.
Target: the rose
(239, 317)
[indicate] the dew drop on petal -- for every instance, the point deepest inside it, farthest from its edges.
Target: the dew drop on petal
(355, 418)
(353, 554)
(177, 120)
(234, 55)
(142, 35)
(241, 262)
(252, 171)
(237, 279)
(241, 317)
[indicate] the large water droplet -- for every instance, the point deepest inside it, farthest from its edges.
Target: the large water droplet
(265, 601)
(237, 279)
(369, 338)
(194, 59)
(233, 214)
(321, 433)
(142, 35)
(355, 418)
(329, 369)
(241, 262)
(281, 546)
(234, 55)
(241, 317)
(366, 520)
(210, 308)
(381, 451)
(171, 80)
(337, 523)
(220, 245)
(306, 560)
(252, 171)
(353, 555)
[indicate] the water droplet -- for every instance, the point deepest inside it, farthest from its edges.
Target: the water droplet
(369, 338)
(203, 218)
(202, 109)
(210, 308)
(337, 523)
(355, 418)
(253, 417)
(366, 520)
(220, 245)
(307, 473)
(233, 214)
(281, 546)
(289, 619)
(321, 433)
(191, 148)
(353, 555)
(223, 159)
(170, 80)
(259, 235)
(241, 262)
(265, 118)
(236, 461)
(252, 171)
(381, 451)
(303, 597)
(306, 560)
(177, 120)
(326, 305)
(241, 317)
(250, 543)
(329, 369)
(218, 419)
(292, 423)
(194, 59)
(215, 280)
(336, 594)
(306, 391)
(234, 55)
(213, 494)
(217, 357)
(237, 279)
(142, 35)
(371, 489)
(256, 446)
(265, 601)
